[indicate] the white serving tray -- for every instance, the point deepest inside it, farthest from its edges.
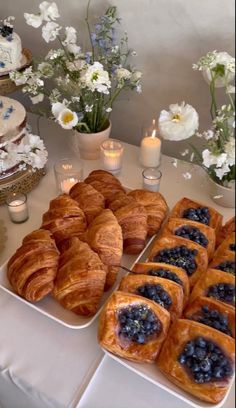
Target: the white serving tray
(52, 309)
(151, 373)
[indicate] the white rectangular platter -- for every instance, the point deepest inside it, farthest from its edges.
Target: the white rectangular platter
(52, 309)
(151, 373)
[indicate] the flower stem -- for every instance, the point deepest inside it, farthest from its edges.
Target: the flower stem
(89, 30)
(213, 98)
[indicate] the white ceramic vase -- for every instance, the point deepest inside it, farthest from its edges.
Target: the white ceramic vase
(221, 195)
(87, 145)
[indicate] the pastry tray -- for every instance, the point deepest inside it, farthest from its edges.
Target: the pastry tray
(53, 310)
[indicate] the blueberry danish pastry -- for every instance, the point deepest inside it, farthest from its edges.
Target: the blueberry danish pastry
(165, 271)
(180, 252)
(198, 359)
(228, 244)
(166, 293)
(224, 261)
(133, 327)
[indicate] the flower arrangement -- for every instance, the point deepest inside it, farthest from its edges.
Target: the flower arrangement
(86, 84)
(181, 121)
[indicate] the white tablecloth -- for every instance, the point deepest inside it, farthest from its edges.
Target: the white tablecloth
(43, 364)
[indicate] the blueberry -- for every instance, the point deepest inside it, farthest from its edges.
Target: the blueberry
(200, 214)
(232, 247)
(166, 274)
(222, 291)
(193, 234)
(180, 256)
(227, 266)
(205, 366)
(156, 293)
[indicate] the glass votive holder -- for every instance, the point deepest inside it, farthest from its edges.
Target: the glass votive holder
(17, 207)
(151, 179)
(111, 155)
(68, 172)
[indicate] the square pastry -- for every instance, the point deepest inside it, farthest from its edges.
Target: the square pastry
(133, 327)
(198, 359)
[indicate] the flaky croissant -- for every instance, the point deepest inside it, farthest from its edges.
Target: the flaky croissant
(90, 200)
(104, 236)
(79, 284)
(105, 183)
(33, 268)
(64, 219)
(155, 205)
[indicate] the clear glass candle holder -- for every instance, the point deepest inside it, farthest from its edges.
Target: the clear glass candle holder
(111, 155)
(17, 207)
(151, 179)
(68, 172)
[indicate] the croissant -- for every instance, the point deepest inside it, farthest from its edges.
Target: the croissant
(105, 183)
(132, 217)
(196, 232)
(32, 269)
(217, 284)
(195, 211)
(155, 205)
(89, 200)
(212, 313)
(228, 244)
(104, 235)
(165, 271)
(64, 219)
(166, 293)
(224, 231)
(80, 281)
(192, 356)
(133, 327)
(180, 252)
(224, 262)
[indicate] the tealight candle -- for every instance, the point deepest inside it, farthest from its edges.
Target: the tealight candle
(68, 172)
(151, 179)
(150, 154)
(17, 207)
(111, 153)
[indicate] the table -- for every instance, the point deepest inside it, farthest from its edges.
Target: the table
(43, 364)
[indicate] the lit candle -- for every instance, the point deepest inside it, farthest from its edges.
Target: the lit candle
(67, 184)
(151, 179)
(17, 207)
(150, 150)
(112, 152)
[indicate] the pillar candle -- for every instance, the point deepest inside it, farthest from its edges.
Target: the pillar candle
(150, 151)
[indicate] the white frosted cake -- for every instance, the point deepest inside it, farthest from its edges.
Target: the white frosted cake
(18, 148)
(10, 47)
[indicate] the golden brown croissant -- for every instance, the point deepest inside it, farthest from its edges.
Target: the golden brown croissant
(192, 357)
(133, 327)
(195, 211)
(33, 267)
(64, 219)
(89, 200)
(166, 293)
(155, 205)
(105, 183)
(180, 252)
(228, 244)
(132, 218)
(212, 313)
(217, 284)
(195, 231)
(224, 231)
(80, 280)
(165, 271)
(104, 236)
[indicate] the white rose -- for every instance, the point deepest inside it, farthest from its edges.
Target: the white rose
(33, 20)
(50, 31)
(49, 11)
(179, 123)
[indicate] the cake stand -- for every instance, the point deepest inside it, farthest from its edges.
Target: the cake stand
(7, 86)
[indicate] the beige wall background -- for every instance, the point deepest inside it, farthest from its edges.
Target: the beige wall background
(168, 35)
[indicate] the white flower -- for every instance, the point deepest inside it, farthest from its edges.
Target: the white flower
(109, 110)
(18, 77)
(75, 65)
(50, 31)
(230, 89)
(53, 54)
(67, 119)
(221, 172)
(45, 69)
(221, 58)
(96, 78)
(38, 98)
(75, 99)
(139, 88)
(230, 151)
(187, 176)
(209, 159)
(34, 20)
(123, 74)
(179, 123)
(74, 49)
(71, 36)
(49, 11)
(57, 108)
(136, 76)
(208, 134)
(88, 108)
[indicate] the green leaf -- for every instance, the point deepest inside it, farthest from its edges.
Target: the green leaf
(219, 69)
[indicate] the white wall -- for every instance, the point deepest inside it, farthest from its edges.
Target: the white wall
(169, 35)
